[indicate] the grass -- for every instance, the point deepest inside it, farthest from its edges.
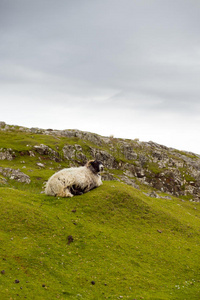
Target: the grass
(186, 176)
(125, 244)
(154, 168)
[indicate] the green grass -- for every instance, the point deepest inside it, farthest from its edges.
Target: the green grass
(186, 176)
(154, 168)
(129, 244)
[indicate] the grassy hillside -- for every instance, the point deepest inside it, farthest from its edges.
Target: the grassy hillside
(111, 243)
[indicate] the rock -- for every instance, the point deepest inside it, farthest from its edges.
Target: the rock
(168, 198)
(7, 154)
(74, 152)
(40, 165)
(3, 181)
(79, 154)
(153, 195)
(45, 150)
(31, 153)
(140, 173)
(92, 137)
(106, 176)
(42, 149)
(15, 175)
(34, 130)
(128, 151)
(2, 124)
(84, 135)
(129, 181)
(128, 173)
(69, 152)
(106, 158)
(143, 159)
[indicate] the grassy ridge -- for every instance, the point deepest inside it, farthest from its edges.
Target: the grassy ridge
(125, 244)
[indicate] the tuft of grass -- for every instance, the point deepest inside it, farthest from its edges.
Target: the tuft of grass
(186, 175)
(154, 168)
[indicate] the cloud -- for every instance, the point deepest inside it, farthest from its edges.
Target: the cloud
(136, 63)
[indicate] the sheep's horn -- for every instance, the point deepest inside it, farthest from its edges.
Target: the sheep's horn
(89, 163)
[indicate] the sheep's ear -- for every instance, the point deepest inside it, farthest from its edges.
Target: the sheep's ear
(89, 163)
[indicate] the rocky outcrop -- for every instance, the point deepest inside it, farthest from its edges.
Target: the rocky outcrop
(128, 151)
(7, 154)
(128, 180)
(74, 152)
(108, 176)
(107, 159)
(157, 166)
(2, 124)
(45, 150)
(136, 163)
(15, 175)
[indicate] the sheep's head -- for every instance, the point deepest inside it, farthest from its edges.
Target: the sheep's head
(95, 165)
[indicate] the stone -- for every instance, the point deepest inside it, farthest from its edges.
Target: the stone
(41, 149)
(74, 152)
(153, 195)
(15, 175)
(106, 158)
(34, 130)
(106, 176)
(2, 124)
(7, 154)
(129, 181)
(128, 151)
(45, 150)
(31, 153)
(40, 165)
(69, 152)
(3, 181)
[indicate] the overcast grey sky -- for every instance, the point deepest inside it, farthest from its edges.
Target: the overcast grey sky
(128, 68)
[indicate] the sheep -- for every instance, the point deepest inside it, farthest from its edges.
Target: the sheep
(75, 181)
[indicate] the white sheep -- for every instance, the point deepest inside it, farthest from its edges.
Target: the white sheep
(75, 181)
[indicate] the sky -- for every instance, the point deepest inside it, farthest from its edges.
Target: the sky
(122, 68)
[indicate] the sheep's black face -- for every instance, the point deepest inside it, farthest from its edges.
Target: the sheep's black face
(97, 166)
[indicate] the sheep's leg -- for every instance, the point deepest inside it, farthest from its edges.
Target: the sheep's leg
(89, 188)
(65, 193)
(76, 190)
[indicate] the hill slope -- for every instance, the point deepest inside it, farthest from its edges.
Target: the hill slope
(115, 242)
(140, 164)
